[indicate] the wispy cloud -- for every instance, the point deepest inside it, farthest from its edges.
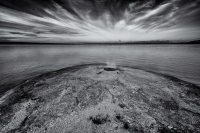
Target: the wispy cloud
(94, 21)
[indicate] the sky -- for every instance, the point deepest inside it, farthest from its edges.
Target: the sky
(67, 21)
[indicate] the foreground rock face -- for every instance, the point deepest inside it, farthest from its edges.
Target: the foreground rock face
(93, 98)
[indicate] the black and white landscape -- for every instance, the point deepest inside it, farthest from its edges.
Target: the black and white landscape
(99, 66)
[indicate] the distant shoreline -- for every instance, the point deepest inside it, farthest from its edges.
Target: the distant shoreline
(103, 43)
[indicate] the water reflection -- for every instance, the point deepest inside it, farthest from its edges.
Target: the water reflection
(181, 61)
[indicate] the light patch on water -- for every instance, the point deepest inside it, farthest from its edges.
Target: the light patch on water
(111, 64)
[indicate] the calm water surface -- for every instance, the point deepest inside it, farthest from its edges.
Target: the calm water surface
(21, 62)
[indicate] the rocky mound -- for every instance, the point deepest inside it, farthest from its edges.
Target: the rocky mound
(94, 98)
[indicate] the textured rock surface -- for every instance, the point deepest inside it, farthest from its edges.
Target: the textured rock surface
(94, 99)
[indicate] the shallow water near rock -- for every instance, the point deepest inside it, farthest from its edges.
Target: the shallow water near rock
(22, 62)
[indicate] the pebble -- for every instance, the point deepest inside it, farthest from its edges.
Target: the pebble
(60, 114)
(170, 127)
(115, 126)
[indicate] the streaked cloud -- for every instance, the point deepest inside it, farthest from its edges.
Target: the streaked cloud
(95, 21)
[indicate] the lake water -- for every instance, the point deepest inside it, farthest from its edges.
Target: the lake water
(21, 62)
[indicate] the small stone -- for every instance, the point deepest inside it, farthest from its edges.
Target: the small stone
(170, 127)
(60, 114)
(115, 126)
(74, 113)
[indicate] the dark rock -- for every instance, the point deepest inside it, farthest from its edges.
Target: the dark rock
(126, 125)
(118, 117)
(122, 105)
(109, 69)
(100, 119)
